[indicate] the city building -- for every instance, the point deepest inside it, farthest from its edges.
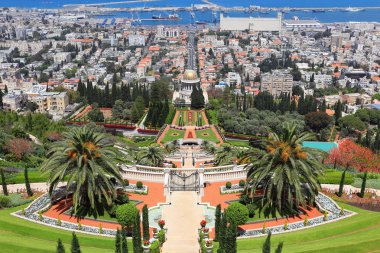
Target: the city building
(277, 83)
(251, 24)
(167, 32)
(136, 40)
(14, 100)
(51, 102)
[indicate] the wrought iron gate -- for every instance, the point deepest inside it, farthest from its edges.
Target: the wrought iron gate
(184, 182)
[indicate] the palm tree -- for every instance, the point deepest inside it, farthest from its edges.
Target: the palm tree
(86, 160)
(225, 155)
(208, 147)
(286, 172)
(152, 155)
(172, 147)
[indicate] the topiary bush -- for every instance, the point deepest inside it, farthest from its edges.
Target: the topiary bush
(155, 247)
(5, 201)
(126, 182)
(161, 236)
(251, 210)
(241, 183)
(237, 213)
(228, 185)
(126, 214)
(121, 199)
(139, 185)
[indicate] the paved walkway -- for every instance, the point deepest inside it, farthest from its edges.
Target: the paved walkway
(182, 219)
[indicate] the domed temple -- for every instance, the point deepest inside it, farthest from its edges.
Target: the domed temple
(183, 95)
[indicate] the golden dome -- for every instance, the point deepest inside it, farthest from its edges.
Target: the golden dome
(190, 75)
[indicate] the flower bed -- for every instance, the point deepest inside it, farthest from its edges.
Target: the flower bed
(235, 188)
(132, 188)
(148, 131)
(324, 202)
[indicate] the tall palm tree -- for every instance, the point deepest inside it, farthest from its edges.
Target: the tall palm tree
(208, 147)
(152, 155)
(87, 161)
(286, 171)
(225, 155)
(172, 147)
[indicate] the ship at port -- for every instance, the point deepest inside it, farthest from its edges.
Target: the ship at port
(168, 17)
(353, 9)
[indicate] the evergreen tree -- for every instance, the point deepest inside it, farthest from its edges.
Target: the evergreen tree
(114, 93)
(293, 106)
(222, 234)
(29, 122)
(145, 223)
(89, 92)
(341, 184)
(376, 143)
(1, 99)
(323, 106)
(107, 100)
(279, 247)
(136, 235)
(266, 245)
(3, 182)
(75, 248)
(124, 245)
(338, 111)
(6, 89)
(218, 213)
(230, 242)
(117, 242)
(60, 247)
(27, 184)
(364, 181)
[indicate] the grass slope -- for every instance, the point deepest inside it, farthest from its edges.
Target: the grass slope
(357, 234)
(18, 235)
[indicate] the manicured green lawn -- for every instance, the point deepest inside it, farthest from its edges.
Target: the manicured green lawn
(239, 143)
(193, 121)
(169, 135)
(34, 175)
(210, 135)
(357, 234)
(18, 235)
(333, 177)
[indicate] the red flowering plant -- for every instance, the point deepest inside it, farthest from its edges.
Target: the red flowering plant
(146, 243)
(203, 223)
(161, 223)
(208, 243)
(205, 230)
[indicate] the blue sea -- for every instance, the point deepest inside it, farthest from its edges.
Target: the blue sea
(337, 16)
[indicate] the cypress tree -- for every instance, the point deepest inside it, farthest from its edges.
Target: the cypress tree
(279, 247)
(376, 143)
(218, 213)
(222, 234)
(145, 223)
(338, 111)
(341, 184)
(230, 242)
(27, 184)
(60, 247)
(3, 182)
(114, 93)
(124, 245)
(1, 99)
(75, 248)
(107, 96)
(364, 181)
(266, 245)
(323, 106)
(117, 242)
(136, 234)
(29, 122)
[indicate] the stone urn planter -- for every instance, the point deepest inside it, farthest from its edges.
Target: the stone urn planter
(205, 233)
(155, 233)
(146, 247)
(209, 246)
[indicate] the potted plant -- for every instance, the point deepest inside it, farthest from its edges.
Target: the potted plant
(203, 223)
(161, 223)
(146, 246)
(205, 232)
(155, 233)
(209, 246)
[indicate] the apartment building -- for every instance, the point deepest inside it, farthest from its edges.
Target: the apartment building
(51, 102)
(277, 83)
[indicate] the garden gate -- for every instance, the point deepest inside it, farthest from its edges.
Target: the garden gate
(184, 182)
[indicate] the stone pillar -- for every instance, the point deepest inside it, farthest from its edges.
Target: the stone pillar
(201, 172)
(166, 182)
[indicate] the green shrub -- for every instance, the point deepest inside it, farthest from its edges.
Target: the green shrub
(331, 176)
(139, 185)
(305, 221)
(40, 216)
(286, 227)
(251, 210)
(228, 185)
(264, 229)
(161, 236)
(241, 183)
(100, 228)
(237, 213)
(155, 247)
(18, 200)
(126, 214)
(126, 182)
(5, 201)
(121, 199)
(59, 222)
(325, 217)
